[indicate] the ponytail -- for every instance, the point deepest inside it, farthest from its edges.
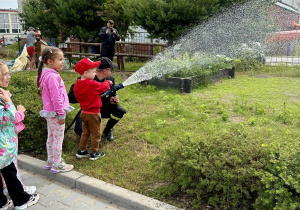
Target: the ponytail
(48, 53)
(39, 77)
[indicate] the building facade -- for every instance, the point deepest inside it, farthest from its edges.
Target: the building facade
(10, 21)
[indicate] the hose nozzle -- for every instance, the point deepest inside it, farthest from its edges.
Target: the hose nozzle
(113, 89)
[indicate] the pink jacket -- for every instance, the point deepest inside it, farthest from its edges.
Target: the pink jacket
(19, 117)
(54, 95)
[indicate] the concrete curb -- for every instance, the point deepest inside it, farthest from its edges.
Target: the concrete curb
(109, 192)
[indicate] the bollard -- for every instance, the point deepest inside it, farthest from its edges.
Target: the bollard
(231, 72)
(188, 84)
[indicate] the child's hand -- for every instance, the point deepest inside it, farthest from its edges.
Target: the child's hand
(61, 121)
(4, 96)
(21, 108)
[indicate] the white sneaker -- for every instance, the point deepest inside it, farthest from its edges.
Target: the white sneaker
(5, 191)
(8, 204)
(32, 200)
(29, 189)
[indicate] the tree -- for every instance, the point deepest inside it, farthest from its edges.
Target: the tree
(116, 10)
(82, 19)
(169, 19)
(35, 15)
(78, 18)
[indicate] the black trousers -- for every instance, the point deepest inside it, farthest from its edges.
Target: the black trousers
(14, 187)
(108, 51)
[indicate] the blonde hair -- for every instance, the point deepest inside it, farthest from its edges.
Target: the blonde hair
(48, 53)
(2, 63)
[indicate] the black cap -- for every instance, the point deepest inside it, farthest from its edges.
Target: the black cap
(106, 63)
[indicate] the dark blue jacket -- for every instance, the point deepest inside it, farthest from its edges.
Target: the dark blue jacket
(109, 39)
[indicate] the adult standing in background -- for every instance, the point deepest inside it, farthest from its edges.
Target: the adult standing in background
(30, 38)
(108, 35)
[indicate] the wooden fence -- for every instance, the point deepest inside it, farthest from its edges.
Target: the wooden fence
(123, 49)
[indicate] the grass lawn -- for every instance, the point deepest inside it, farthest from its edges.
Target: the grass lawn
(262, 105)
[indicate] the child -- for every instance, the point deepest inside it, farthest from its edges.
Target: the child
(8, 152)
(19, 117)
(55, 106)
(87, 92)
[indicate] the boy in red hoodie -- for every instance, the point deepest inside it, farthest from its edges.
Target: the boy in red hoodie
(87, 93)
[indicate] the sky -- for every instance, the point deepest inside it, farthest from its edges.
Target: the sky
(7, 4)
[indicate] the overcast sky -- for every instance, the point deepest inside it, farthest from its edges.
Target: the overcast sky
(8, 4)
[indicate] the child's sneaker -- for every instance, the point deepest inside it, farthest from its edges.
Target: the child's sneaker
(32, 200)
(29, 189)
(8, 204)
(48, 165)
(95, 156)
(82, 154)
(5, 191)
(62, 167)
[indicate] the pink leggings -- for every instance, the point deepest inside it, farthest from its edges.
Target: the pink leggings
(55, 140)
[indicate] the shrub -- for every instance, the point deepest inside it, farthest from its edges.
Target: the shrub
(24, 91)
(229, 171)
(7, 53)
(200, 66)
(249, 57)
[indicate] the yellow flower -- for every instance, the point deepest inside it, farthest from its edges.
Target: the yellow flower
(263, 145)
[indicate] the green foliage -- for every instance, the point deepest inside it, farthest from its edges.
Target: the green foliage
(37, 14)
(116, 10)
(168, 20)
(77, 18)
(214, 170)
(61, 18)
(249, 57)
(24, 91)
(175, 105)
(199, 66)
(7, 53)
(230, 172)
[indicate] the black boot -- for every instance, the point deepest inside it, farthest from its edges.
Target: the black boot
(108, 129)
(108, 135)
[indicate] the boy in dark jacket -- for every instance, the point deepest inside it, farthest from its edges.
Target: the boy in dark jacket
(87, 93)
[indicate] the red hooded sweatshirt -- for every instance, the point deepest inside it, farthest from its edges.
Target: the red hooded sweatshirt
(87, 93)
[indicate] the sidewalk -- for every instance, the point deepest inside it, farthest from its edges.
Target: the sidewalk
(102, 194)
(54, 195)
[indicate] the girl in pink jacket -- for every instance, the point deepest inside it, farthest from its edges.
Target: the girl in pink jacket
(55, 106)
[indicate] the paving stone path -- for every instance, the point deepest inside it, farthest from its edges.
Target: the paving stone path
(54, 195)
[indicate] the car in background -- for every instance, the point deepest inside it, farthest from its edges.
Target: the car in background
(8, 41)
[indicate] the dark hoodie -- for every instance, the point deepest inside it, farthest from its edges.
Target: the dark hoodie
(87, 94)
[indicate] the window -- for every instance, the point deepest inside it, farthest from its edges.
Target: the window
(15, 24)
(4, 23)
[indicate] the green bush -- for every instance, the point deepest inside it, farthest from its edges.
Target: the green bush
(199, 66)
(24, 91)
(229, 171)
(7, 53)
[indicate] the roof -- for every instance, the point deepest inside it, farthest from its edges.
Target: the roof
(8, 10)
(287, 7)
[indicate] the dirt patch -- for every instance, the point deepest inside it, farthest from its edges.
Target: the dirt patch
(295, 100)
(236, 119)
